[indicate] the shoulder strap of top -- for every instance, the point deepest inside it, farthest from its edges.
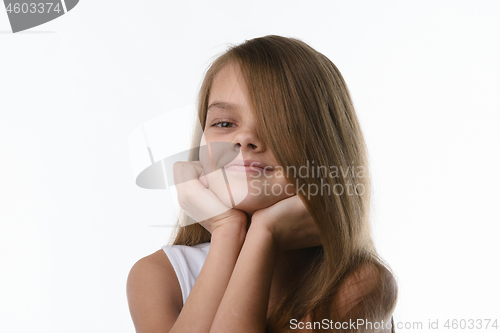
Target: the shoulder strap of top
(187, 262)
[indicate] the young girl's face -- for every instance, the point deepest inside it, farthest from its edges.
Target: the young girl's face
(232, 139)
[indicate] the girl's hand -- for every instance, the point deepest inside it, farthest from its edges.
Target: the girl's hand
(290, 224)
(200, 203)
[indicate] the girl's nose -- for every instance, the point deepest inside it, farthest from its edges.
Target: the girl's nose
(247, 140)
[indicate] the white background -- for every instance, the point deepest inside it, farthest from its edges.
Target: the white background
(424, 77)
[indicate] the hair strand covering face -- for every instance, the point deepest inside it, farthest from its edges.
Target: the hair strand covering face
(305, 114)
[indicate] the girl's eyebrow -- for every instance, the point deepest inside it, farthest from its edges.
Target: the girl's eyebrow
(223, 105)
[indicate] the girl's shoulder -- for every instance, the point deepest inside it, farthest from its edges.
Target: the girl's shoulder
(153, 291)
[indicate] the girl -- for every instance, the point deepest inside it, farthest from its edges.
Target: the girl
(281, 192)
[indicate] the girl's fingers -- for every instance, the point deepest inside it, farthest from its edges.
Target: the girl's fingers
(198, 202)
(186, 171)
(197, 165)
(203, 179)
(193, 194)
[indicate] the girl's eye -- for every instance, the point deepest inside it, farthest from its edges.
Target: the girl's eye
(223, 123)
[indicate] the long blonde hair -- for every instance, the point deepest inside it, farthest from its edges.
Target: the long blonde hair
(305, 115)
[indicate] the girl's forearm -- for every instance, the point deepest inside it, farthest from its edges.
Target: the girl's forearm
(201, 306)
(245, 302)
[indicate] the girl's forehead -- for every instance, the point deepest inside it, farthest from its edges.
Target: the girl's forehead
(228, 90)
(230, 74)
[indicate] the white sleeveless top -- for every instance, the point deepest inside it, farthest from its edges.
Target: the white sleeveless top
(187, 262)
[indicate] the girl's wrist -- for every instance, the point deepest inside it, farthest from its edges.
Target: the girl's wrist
(264, 235)
(230, 231)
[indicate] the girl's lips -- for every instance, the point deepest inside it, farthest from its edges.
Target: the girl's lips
(247, 168)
